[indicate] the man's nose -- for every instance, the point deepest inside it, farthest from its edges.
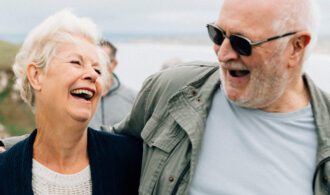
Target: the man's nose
(225, 51)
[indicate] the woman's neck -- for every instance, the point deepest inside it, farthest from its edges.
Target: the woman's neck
(61, 147)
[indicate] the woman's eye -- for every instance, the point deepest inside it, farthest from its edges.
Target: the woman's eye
(75, 62)
(98, 71)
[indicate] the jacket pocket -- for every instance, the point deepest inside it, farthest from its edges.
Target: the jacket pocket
(160, 139)
(163, 135)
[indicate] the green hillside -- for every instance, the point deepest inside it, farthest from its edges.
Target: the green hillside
(7, 54)
(15, 115)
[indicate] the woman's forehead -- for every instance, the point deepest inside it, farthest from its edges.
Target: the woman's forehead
(82, 49)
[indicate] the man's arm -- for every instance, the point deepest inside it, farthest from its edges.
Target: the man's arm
(156, 91)
(9, 142)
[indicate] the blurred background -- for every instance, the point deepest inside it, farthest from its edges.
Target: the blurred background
(147, 33)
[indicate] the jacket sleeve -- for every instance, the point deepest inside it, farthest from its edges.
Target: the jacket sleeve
(134, 122)
(11, 141)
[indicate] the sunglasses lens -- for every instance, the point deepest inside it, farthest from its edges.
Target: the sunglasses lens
(240, 45)
(215, 35)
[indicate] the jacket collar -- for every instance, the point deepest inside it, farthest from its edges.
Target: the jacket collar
(320, 102)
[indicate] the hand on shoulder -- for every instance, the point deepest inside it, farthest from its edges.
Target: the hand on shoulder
(2, 149)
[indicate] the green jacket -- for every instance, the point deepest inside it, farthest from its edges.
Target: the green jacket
(170, 113)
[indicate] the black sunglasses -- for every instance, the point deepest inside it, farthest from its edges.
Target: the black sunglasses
(240, 44)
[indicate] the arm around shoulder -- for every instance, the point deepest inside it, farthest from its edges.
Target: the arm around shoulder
(11, 141)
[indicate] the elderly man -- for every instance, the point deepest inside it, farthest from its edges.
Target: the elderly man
(263, 127)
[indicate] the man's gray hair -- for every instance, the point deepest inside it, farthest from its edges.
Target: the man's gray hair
(299, 15)
(41, 42)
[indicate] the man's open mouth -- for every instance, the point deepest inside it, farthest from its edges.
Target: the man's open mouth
(239, 73)
(83, 94)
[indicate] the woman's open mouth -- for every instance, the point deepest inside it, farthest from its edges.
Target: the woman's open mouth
(83, 94)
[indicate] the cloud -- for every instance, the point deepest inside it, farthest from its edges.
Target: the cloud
(112, 15)
(123, 16)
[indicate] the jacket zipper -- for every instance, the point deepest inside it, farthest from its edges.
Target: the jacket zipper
(317, 170)
(176, 187)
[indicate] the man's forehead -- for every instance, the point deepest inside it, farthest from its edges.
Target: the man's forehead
(251, 14)
(250, 8)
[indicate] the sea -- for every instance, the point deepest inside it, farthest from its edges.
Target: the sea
(141, 55)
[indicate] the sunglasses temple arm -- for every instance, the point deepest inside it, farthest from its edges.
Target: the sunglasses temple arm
(273, 38)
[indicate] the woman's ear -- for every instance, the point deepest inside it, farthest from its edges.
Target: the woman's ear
(299, 43)
(34, 75)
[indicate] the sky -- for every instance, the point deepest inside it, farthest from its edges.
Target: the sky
(125, 16)
(115, 16)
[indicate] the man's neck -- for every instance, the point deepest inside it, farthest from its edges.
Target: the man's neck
(295, 97)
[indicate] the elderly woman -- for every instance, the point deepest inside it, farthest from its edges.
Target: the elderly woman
(60, 71)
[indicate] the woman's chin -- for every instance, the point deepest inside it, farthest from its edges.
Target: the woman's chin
(82, 117)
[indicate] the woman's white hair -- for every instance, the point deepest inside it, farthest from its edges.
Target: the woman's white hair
(41, 42)
(299, 15)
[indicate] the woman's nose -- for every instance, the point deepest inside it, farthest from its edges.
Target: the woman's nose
(90, 74)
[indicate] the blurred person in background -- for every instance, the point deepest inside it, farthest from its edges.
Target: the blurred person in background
(117, 99)
(60, 71)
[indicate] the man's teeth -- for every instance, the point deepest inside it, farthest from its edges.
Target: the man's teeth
(83, 93)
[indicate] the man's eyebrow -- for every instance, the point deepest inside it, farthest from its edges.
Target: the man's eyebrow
(235, 32)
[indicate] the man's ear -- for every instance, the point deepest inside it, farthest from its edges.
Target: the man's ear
(34, 75)
(299, 43)
(113, 64)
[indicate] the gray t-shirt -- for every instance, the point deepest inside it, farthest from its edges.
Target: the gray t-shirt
(249, 151)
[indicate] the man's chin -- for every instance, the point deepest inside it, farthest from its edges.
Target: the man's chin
(242, 101)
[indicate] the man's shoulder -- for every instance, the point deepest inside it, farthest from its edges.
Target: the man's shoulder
(184, 74)
(186, 70)
(320, 98)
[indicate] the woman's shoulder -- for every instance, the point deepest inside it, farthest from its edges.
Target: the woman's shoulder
(119, 159)
(112, 140)
(111, 136)
(107, 146)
